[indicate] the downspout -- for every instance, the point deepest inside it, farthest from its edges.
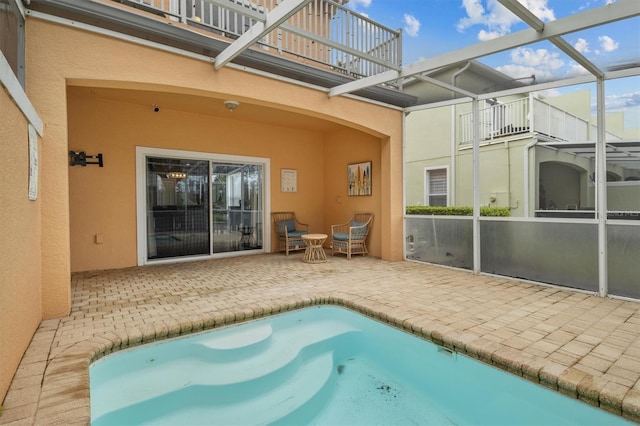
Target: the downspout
(454, 147)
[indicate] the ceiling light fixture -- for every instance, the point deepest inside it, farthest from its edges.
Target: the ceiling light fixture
(231, 105)
(177, 175)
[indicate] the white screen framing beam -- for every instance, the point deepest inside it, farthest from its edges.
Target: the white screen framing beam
(536, 23)
(620, 10)
(273, 19)
(446, 86)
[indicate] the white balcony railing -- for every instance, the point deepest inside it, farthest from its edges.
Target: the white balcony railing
(324, 32)
(515, 117)
(497, 121)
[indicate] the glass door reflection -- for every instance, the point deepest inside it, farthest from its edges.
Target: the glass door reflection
(237, 207)
(177, 208)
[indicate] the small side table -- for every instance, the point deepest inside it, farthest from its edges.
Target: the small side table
(314, 252)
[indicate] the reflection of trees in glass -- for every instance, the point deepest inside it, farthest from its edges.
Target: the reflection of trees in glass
(219, 181)
(252, 175)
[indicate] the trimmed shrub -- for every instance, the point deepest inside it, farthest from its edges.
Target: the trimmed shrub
(457, 211)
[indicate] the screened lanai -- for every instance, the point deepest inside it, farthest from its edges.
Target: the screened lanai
(562, 166)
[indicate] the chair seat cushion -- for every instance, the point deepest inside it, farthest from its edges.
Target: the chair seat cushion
(296, 234)
(343, 236)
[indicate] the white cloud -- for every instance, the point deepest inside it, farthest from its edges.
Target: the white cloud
(575, 70)
(526, 62)
(582, 45)
(540, 9)
(411, 25)
(539, 58)
(359, 3)
(488, 35)
(608, 44)
(496, 18)
(523, 72)
(623, 100)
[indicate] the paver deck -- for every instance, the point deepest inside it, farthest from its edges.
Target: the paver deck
(579, 344)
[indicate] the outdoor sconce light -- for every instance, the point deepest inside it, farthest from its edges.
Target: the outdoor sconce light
(231, 105)
(79, 158)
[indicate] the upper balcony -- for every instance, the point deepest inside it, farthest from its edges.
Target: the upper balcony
(323, 32)
(525, 115)
(318, 42)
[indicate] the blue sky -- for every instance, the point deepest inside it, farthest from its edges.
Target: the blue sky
(434, 27)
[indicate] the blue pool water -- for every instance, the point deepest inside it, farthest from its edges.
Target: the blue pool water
(318, 366)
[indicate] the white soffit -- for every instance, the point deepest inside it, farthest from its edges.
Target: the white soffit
(620, 10)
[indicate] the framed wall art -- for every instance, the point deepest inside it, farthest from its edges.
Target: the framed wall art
(288, 180)
(359, 178)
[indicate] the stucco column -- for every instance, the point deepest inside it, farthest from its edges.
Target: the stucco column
(47, 92)
(392, 204)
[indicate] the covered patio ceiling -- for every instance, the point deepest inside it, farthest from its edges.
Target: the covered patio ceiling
(386, 86)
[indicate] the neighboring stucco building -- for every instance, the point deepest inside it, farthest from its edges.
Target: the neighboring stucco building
(536, 154)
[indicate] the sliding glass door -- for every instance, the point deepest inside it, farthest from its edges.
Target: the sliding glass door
(199, 206)
(237, 207)
(177, 207)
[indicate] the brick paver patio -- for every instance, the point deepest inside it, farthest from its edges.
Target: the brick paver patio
(582, 345)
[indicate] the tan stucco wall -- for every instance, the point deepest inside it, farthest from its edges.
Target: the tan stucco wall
(103, 200)
(20, 277)
(61, 57)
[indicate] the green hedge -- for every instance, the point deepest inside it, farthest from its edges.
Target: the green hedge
(458, 211)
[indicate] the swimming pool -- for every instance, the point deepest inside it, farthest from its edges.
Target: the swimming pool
(320, 366)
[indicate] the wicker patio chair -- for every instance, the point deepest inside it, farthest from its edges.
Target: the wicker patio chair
(289, 231)
(351, 237)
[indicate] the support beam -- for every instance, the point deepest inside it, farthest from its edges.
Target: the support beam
(475, 106)
(521, 11)
(10, 82)
(446, 86)
(622, 9)
(274, 18)
(536, 23)
(601, 191)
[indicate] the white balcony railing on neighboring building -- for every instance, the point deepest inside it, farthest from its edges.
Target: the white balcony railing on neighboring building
(497, 121)
(515, 117)
(324, 32)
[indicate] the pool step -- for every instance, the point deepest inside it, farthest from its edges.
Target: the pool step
(228, 406)
(214, 364)
(237, 344)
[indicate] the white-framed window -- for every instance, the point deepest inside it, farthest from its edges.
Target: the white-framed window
(436, 186)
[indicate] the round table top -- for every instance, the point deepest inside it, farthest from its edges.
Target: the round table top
(314, 236)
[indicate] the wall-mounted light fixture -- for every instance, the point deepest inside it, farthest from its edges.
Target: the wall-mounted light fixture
(231, 105)
(79, 158)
